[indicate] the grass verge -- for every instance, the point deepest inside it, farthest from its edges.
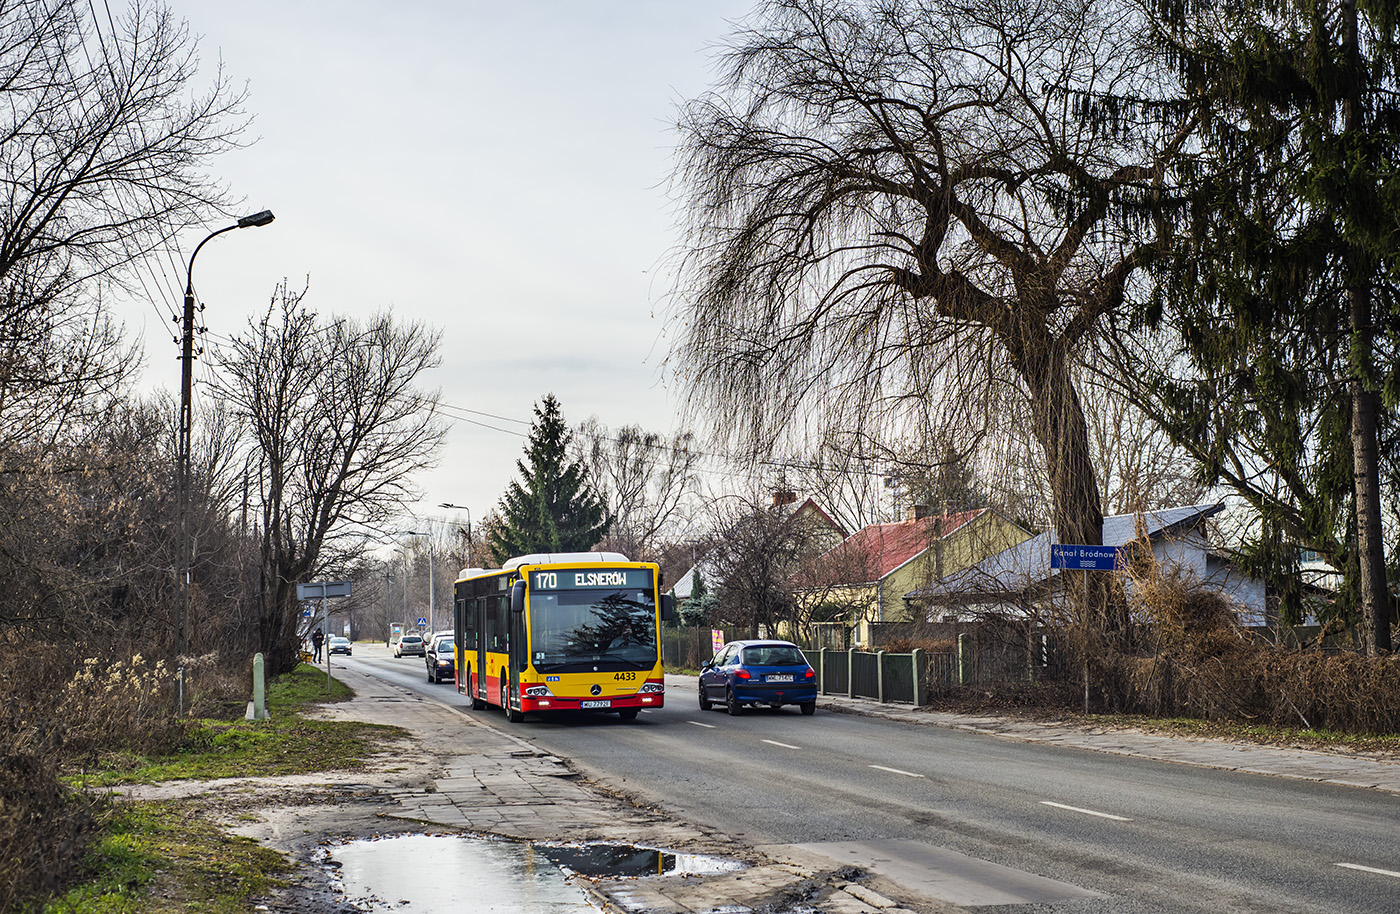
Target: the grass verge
(164, 857)
(168, 856)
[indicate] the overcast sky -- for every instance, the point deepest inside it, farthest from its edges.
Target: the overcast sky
(497, 170)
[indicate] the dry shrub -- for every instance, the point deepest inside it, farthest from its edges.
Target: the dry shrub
(44, 830)
(124, 704)
(927, 645)
(53, 717)
(1197, 663)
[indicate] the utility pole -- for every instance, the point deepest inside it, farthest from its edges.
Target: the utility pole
(182, 470)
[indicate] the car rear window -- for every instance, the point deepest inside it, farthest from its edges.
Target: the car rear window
(774, 655)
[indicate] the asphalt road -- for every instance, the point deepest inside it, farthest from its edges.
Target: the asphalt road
(1143, 836)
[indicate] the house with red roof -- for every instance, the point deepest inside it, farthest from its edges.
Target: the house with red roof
(866, 577)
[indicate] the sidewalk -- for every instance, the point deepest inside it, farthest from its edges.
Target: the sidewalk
(1303, 764)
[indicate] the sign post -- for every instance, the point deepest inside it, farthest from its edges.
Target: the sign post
(325, 590)
(1072, 557)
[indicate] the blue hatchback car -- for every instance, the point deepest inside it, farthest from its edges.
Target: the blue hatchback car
(772, 673)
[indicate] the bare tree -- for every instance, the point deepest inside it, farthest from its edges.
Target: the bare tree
(896, 202)
(335, 425)
(754, 558)
(644, 480)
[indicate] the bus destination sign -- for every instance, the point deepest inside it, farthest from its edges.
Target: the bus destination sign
(616, 578)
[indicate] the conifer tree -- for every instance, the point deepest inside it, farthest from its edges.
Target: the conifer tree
(551, 507)
(1281, 295)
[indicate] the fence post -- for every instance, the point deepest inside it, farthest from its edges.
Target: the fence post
(920, 680)
(851, 673)
(821, 672)
(962, 658)
(880, 675)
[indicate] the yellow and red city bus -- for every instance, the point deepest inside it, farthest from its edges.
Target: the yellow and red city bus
(561, 632)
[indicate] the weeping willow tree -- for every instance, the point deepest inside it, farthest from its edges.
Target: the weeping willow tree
(898, 210)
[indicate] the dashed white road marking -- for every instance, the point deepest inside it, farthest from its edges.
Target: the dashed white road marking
(773, 742)
(1368, 869)
(698, 724)
(907, 774)
(1087, 812)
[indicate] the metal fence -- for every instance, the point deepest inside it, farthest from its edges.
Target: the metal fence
(979, 655)
(879, 675)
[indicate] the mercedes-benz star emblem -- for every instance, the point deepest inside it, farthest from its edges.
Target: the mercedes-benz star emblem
(595, 689)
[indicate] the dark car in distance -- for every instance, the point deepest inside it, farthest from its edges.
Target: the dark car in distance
(440, 660)
(338, 645)
(752, 673)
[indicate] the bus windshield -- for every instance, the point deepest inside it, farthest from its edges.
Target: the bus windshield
(582, 630)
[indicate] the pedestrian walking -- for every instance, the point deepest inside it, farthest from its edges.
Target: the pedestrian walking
(317, 638)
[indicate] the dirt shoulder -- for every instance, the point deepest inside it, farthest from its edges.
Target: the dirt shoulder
(453, 773)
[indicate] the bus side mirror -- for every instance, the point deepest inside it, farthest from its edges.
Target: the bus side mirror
(517, 597)
(668, 607)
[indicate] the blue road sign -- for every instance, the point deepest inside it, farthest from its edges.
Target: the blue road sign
(306, 614)
(422, 622)
(1083, 558)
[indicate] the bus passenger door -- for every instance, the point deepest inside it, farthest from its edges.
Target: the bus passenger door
(517, 645)
(478, 610)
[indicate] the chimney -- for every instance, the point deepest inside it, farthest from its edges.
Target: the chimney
(919, 512)
(784, 497)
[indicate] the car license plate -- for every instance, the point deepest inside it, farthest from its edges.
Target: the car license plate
(785, 677)
(595, 704)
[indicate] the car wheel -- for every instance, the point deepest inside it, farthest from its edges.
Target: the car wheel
(808, 707)
(628, 713)
(705, 703)
(731, 703)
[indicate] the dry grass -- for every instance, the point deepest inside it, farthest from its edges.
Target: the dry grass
(1196, 663)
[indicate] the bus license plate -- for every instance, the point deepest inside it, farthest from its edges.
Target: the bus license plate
(787, 677)
(605, 703)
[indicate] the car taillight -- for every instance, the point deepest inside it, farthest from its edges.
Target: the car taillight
(741, 673)
(809, 674)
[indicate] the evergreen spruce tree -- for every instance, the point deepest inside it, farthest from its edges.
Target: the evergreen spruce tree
(551, 507)
(696, 609)
(1281, 293)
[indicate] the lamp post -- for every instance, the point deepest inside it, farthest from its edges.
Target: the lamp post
(182, 474)
(388, 611)
(432, 603)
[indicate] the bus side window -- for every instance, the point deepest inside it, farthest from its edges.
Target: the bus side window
(468, 614)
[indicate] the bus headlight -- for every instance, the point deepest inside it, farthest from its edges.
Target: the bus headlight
(538, 691)
(651, 688)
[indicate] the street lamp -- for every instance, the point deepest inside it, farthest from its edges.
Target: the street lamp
(432, 603)
(182, 475)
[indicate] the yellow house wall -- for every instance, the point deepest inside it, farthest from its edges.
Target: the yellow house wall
(986, 535)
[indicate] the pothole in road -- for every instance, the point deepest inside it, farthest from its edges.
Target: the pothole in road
(613, 861)
(436, 874)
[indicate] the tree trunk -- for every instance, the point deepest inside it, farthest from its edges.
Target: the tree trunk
(1063, 434)
(1375, 596)
(1370, 549)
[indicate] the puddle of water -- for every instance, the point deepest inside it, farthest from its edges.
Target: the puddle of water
(437, 874)
(620, 860)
